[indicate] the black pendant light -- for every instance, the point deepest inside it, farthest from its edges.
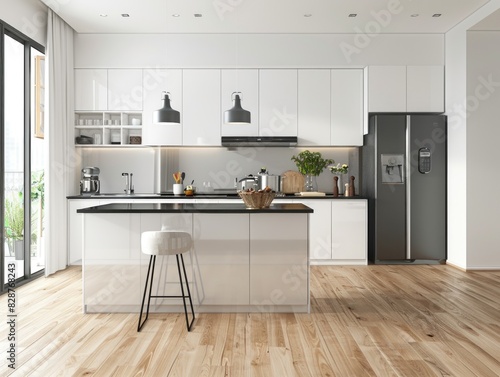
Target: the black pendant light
(236, 114)
(166, 114)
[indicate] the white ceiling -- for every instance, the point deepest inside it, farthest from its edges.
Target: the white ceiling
(490, 23)
(264, 16)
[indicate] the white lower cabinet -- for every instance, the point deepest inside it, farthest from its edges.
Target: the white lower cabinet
(240, 262)
(320, 229)
(278, 260)
(338, 231)
(75, 227)
(111, 266)
(115, 269)
(221, 249)
(349, 231)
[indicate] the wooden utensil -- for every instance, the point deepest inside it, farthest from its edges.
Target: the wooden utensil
(177, 177)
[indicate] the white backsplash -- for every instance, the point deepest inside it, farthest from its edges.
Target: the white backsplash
(219, 166)
(114, 162)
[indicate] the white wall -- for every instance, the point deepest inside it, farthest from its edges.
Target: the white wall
(459, 157)
(27, 16)
(483, 135)
(455, 73)
(255, 50)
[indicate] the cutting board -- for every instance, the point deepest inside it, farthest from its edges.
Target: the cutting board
(310, 193)
(293, 182)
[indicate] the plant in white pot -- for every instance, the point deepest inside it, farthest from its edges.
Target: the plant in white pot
(14, 225)
(311, 164)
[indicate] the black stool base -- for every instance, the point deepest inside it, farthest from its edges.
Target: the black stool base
(151, 269)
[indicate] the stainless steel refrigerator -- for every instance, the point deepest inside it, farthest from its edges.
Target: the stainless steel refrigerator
(403, 174)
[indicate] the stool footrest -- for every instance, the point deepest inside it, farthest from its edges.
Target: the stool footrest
(169, 296)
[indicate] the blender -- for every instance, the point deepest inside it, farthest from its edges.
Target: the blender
(89, 184)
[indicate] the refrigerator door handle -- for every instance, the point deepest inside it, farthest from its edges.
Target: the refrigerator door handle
(408, 187)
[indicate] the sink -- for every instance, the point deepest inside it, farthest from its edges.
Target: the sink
(112, 195)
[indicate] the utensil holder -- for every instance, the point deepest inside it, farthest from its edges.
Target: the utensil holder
(178, 189)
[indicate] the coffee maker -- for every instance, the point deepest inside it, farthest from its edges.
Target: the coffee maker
(89, 184)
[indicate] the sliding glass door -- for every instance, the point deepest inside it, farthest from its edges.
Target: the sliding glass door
(22, 151)
(37, 161)
(14, 153)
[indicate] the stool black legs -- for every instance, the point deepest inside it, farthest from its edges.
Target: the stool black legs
(188, 324)
(151, 269)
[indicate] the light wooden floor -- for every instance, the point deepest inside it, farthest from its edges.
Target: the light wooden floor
(365, 321)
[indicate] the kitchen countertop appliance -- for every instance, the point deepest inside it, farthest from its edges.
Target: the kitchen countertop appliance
(90, 184)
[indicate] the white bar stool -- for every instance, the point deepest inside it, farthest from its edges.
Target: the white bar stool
(166, 243)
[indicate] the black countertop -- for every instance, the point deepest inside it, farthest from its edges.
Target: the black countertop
(193, 208)
(170, 196)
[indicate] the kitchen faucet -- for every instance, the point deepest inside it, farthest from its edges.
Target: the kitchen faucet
(129, 187)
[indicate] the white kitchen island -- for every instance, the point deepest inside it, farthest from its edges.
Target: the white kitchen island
(243, 260)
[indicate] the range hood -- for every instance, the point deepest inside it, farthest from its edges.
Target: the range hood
(259, 141)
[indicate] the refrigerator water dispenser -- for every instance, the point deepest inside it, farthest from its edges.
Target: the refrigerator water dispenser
(392, 168)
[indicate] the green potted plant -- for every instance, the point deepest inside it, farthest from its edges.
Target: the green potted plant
(311, 164)
(14, 225)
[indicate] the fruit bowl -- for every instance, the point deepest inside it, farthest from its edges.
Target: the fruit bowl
(257, 199)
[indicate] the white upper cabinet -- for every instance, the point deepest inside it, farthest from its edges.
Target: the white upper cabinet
(91, 89)
(125, 89)
(245, 81)
(387, 89)
(313, 107)
(330, 107)
(156, 81)
(278, 102)
(201, 107)
(415, 89)
(347, 107)
(425, 91)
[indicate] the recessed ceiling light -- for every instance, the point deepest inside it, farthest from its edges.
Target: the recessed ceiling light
(198, 15)
(307, 15)
(353, 15)
(436, 15)
(125, 15)
(415, 15)
(176, 15)
(103, 15)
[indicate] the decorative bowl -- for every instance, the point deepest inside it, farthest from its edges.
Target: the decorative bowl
(257, 200)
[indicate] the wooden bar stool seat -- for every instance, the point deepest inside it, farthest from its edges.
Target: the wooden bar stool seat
(166, 242)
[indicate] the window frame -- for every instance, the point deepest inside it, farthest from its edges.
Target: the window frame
(28, 43)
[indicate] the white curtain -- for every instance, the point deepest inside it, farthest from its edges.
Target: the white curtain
(61, 157)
